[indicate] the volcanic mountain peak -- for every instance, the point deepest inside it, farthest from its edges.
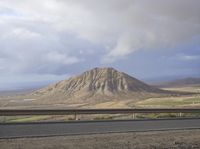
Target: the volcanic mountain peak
(103, 82)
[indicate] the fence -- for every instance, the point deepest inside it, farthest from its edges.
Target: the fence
(75, 112)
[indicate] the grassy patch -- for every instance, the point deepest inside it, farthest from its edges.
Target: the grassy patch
(156, 115)
(11, 119)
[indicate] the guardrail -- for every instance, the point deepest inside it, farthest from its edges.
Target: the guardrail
(75, 112)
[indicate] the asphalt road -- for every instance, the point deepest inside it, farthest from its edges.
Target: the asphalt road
(78, 128)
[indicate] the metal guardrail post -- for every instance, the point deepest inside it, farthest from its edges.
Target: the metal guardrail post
(75, 116)
(133, 115)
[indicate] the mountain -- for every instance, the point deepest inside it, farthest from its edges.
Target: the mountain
(181, 82)
(98, 85)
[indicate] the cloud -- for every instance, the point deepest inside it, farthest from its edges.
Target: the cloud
(189, 57)
(61, 58)
(31, 45)
(160, 23)
(44, 37)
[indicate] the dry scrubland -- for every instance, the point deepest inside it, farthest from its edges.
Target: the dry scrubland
(104, 88)
(100, 88)
(187, 139)
(190, 101)
(187, 101)
(95, 88)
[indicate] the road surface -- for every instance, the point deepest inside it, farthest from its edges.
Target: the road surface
(92, 127)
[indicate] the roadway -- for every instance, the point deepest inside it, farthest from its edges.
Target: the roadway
(18, 130)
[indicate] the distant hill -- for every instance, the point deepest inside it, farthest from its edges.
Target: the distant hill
(98, 85)
(95, 88)
(181, 83)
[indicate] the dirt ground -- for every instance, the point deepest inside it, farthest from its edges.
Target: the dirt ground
(179, 139)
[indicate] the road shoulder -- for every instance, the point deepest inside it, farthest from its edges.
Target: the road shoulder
(176, 139)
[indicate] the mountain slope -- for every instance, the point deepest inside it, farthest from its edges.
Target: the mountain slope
(98, 85)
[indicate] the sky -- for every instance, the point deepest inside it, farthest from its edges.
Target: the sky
(44, 41)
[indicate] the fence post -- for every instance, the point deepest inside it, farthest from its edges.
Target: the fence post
(179, 114)
(133, 116)
(75, 116)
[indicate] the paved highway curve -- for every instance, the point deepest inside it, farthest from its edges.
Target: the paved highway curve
(92, 127)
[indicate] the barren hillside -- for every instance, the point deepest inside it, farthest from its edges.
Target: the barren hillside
(96, 86)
